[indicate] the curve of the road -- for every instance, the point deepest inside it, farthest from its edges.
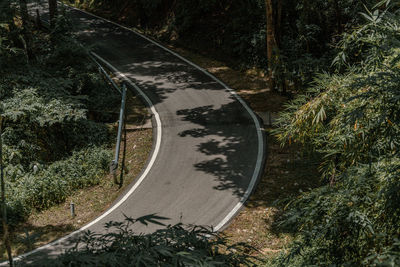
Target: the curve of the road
(209, 148)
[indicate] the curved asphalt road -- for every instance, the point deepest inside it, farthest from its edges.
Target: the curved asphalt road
(209, 147)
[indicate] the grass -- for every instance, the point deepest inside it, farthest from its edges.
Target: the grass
(48, 225)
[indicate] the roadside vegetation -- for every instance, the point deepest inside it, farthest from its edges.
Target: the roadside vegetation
(57, 117)
(331, 192)
(54, 108)
(351, 119)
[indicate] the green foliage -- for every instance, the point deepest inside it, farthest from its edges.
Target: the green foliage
(49, 185)
(350, 118)
(10, 36)
(353, 121)
(370, 44)
(308, 36)
(176, 245)
(55, 140)
(350, 223)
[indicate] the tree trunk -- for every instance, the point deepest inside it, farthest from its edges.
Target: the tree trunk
(26, 31)
(271, 41)
(38, 20)
(338, 17)
(6, 237)
(53, 12)
(278, 24)
(24, 12)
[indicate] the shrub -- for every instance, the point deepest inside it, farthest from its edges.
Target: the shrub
(53, 184)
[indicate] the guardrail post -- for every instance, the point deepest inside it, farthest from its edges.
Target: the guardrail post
(114, 163)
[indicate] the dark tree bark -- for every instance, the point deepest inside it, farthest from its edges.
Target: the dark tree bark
(273, 38)
(38, 20)
(52, 12)
(271, 41)
(24, 12)
(338, 17)
(26, 31)
(6, 236)
(278, 24)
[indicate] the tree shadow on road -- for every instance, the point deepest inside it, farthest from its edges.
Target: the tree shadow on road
(231, 144)
(76, 242)
(175, 245)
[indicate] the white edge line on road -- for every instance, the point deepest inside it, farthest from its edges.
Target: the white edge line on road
(260, 153)
(136, 185)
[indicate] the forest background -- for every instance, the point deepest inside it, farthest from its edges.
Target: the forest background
(337, 60)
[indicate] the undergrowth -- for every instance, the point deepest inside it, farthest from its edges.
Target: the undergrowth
(55, 105)
(352, 119)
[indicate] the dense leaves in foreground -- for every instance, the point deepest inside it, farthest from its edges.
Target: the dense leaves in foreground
(176, 245)
(353, 121)
(47, 95)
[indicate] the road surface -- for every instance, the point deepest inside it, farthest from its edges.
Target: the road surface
(209, 148)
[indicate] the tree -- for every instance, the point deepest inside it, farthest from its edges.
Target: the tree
(26, 31)
(52, 12)
(273, 37)
(24, 12)
(6, 238)
(351, 119)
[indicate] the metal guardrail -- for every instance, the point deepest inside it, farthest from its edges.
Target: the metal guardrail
(123, 91)
(103, 71)
(114, 163)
